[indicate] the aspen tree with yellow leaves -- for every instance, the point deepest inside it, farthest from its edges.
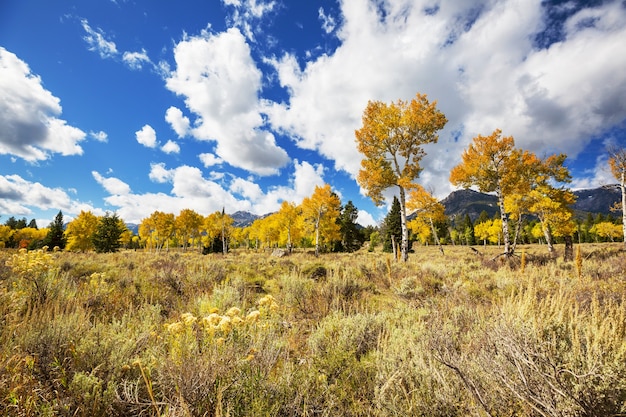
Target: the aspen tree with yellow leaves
(289, 218)
(320, 211)
(494, 165)
(391, 141)
(188, 224)
(428, 211)
(617, 162)
(80, 231)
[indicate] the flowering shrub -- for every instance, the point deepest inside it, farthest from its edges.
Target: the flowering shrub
(34, 275)
(191, 335)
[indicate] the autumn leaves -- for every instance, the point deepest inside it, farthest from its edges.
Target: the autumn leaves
(391, 141)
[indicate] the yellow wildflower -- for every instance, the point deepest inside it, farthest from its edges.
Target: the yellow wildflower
(212, 318)
(225, 324)
(253, 316)
(188, 318)
(233, 311)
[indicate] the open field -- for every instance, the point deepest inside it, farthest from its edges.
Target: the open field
(249, 334)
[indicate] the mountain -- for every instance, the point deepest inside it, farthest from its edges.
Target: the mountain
(597, 200)
(462, 202)
(244, 218)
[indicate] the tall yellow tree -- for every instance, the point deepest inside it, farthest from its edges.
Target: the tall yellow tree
(428, 211)
(494, 165)
(188, 224)
(391, 141)
(289, 218)
(617, 162)
(320, 211)
(80, 231)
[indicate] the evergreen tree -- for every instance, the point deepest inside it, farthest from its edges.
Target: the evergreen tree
(483, 217)
(56, 235)
(351, 237)
(468, 230)
(108, 233)
(33, 224)
(392, 226)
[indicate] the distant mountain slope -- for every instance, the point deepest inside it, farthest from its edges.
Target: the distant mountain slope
(243, 218)
(597, 200)
(462, 202)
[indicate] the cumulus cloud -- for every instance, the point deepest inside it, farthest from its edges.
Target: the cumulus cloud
(147, 136)
(209, 159)
(112, 185)
(220, 84)
(18, 195)
(171, 147)
(478, 60)
(29, 114)
(190, 189)
(179, 122)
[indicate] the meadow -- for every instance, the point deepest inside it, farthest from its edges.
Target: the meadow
(251, 334)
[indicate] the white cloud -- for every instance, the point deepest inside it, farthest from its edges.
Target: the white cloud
(189, 189)
(99, 136)
(328, 22)
(112, 185)
(179, 123)
(95, 38)
(136, 60)
(147, 136)
(158, 173)
(248, 14)
(220, 83)
(209, 159)
(366, 219)
(170, 147)
(18, 195)
(29, 114)
(477, 60)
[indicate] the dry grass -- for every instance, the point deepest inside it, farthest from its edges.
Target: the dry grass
(181, 334)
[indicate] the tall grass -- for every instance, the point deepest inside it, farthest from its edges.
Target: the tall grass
(181, 334)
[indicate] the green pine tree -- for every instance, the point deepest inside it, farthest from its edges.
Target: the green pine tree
(392, 226)
(351, 237)
(108, 233)
(56, 234)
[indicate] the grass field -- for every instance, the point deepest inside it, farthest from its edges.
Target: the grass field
(249, 334)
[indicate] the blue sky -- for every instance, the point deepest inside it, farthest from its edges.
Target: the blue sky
(135, 106)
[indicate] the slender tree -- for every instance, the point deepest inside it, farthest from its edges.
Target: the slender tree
(320, 211)
(617, 162)
(391, 141)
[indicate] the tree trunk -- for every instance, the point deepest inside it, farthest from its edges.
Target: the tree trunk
(435, 237)
(505, 224)
(393, 246)
(317, 237)
(568, 256)
(623, 189)
(548, 236)
(405, 231)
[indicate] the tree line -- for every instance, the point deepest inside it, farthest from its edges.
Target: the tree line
(533, 200)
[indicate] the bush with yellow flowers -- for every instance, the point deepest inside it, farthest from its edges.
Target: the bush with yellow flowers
(35, 275)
